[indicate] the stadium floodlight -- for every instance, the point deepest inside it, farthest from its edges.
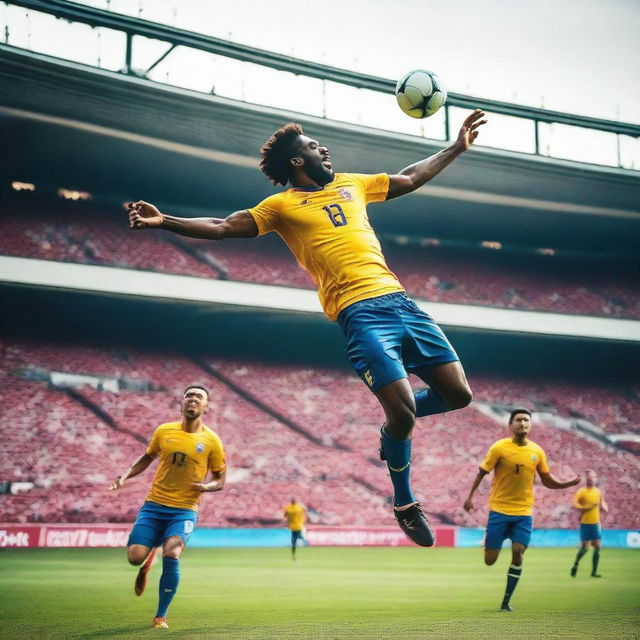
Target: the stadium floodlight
(23, 186)
(71, 194)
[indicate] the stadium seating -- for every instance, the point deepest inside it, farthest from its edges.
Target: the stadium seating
(70, 238)
(71, 442)
(441, 275)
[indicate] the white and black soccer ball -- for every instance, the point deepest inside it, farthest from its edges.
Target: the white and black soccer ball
(420, 93)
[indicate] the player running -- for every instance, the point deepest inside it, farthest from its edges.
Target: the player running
(514, 462)
(323, 220)
(295, 515)
(187, 450)
(589, 500)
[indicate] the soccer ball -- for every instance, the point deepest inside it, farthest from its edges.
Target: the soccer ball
(420, 93)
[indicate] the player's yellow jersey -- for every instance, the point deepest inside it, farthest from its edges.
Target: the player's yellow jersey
(585, 497)
(328, 232)
(294, 513)
(185, 458)
(514, 470)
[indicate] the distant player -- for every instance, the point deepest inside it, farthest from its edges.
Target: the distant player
(295, 515)
(514, 462)
(589, 500)
(323, 220)
(188, 450)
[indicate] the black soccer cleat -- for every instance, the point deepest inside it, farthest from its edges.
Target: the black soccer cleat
(574, 570)
(505, 606)
(415, 525)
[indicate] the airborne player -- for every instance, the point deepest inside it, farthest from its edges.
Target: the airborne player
(323, 219)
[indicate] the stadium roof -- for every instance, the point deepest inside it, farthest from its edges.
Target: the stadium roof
(126, 137)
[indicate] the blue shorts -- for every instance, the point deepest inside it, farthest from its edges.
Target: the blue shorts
(155, 523)
(501, 526)
(389, 336)
(590, 532)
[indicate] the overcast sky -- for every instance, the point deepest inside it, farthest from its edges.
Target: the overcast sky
(573, 55)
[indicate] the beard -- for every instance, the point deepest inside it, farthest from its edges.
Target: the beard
(319, 174)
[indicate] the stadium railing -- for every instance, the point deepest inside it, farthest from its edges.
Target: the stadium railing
(175, 37)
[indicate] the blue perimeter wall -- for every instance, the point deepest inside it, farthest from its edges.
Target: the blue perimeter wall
(620, 538)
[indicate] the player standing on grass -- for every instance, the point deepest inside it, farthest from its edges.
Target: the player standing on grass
(514, 462)
(323, 219)
(295, 515)
(589, 501)
(188, 450)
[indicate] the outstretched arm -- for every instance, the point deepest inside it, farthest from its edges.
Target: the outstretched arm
(143, 215)
(551, 483)
(137, 467)
(415, 175)
(468, 503)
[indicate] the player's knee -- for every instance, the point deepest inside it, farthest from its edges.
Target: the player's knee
(172, 548)
(135, 557)
(402, 419)
(460, 397)
(490, 558)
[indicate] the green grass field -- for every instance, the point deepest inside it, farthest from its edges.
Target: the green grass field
(407, 593)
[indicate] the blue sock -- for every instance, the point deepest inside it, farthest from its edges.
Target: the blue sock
(513, 575)
(398, 455)
(168, 584)
(428, 402)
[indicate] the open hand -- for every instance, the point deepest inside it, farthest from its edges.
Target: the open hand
(143, 215)
(468, 506)
(116, 484)
(469, 130)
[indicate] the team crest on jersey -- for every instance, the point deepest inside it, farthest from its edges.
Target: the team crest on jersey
(305, 202)
(534, 458)
(346, 195)
(200, 447)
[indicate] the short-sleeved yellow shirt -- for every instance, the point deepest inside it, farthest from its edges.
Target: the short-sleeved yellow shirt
(185, 458)
(514, 470)
(585, 497)
(328, 231)
(295, 514)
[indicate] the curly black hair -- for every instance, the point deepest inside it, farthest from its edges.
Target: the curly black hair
(276, 152)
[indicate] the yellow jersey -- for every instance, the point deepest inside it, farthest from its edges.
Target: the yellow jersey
(588, 497)
(295, 514)
(185, 458)
(328, 231)
(514, 470)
